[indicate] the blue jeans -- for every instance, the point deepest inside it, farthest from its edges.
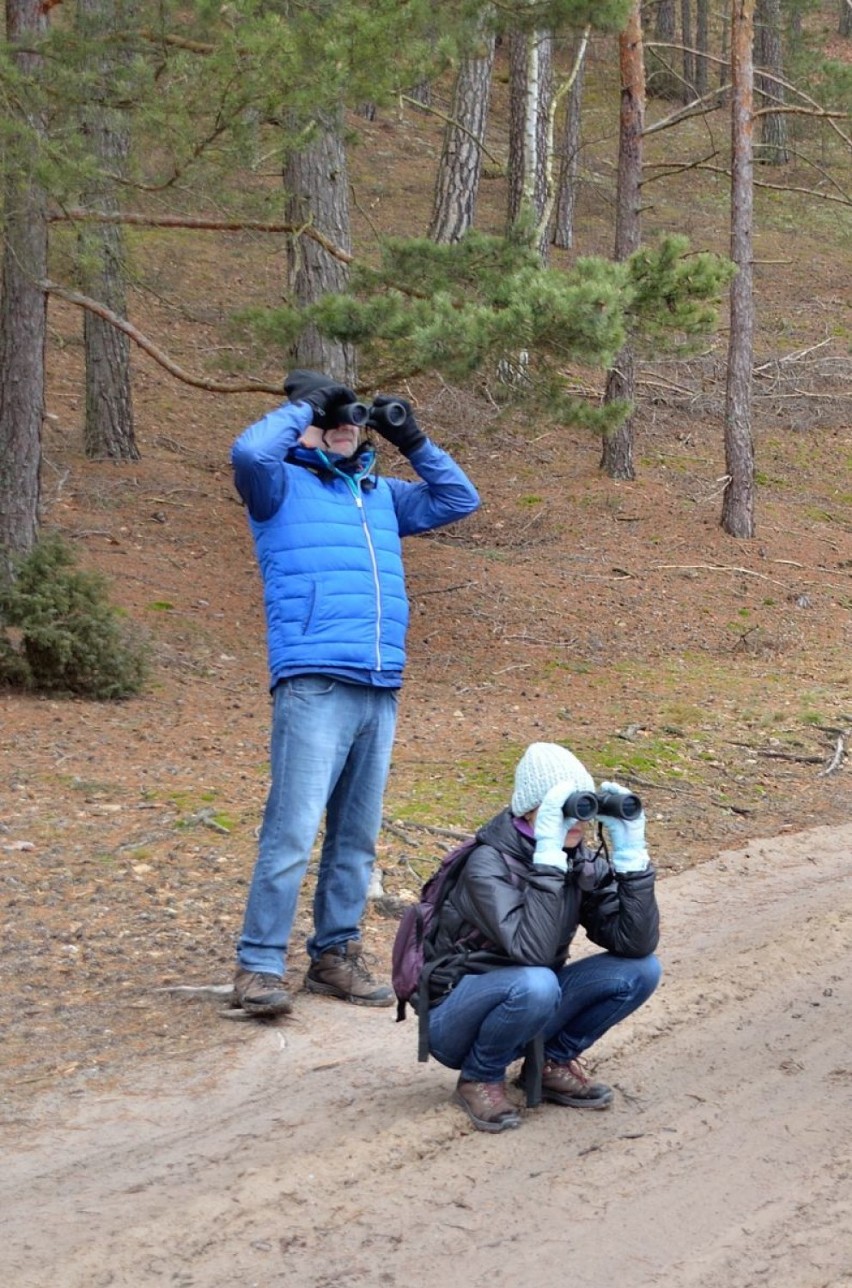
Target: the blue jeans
(330, 751)
(485, 1023)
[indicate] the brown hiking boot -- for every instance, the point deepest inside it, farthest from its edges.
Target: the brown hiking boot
(342, 972)
(569, 1084)
(486, 1105)
(260, 993)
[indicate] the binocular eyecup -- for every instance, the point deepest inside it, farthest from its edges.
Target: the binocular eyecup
(390, 413)
(586, 805)
(356, 413)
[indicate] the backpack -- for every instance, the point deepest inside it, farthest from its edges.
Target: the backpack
(410, 971)
(409, 945)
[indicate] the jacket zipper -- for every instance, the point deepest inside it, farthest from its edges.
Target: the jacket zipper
(359, 501)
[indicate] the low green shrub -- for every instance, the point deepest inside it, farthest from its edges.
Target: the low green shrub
(59, 633)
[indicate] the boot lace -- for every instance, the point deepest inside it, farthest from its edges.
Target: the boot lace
(358, 962)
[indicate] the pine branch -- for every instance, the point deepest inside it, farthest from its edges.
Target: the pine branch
(78, 214)
(153, 351)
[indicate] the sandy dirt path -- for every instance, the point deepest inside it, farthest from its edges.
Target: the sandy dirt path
(319, 1153)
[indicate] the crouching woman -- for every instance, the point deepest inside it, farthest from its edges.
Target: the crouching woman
(498, 969)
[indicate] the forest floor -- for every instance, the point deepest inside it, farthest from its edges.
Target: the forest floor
(150, 1137)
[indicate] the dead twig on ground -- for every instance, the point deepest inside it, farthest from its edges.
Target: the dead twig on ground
(839, 754)
(397, 829)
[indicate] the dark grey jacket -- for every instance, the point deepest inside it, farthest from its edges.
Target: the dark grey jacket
(520, 913)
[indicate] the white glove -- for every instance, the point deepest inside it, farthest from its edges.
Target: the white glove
(551, 828)
(627, 836)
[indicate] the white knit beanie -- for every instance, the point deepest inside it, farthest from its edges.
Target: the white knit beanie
(542, 766)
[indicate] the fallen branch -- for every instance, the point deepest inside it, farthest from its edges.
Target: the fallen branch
(746, 572)
(452, 832)
(839, 754)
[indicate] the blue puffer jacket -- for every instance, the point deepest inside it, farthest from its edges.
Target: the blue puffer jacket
(329, 549)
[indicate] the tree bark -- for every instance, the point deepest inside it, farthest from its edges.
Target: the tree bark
(688, 87)
(317, 185)
(769, 55)
(738, 502)
(23, 307)
(617, 455)
(569, 158)
(702, 45)
(109, 430)
(531, 89)
(845, 24)
(661, 79)
(457, 181)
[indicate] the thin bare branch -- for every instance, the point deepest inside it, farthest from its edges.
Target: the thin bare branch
(456, 124)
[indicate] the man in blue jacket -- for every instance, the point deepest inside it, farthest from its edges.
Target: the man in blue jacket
(327, 532)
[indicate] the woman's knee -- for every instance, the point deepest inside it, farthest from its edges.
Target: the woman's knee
(537, 987)
(648, 972)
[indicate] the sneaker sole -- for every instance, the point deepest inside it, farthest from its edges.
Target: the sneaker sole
(328, 990)
(484, 1124)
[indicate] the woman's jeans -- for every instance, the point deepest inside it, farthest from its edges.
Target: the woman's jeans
(330, 751)
(486, 1022)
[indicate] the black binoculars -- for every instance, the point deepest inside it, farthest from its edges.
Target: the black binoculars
(586, 805)
(358, 413)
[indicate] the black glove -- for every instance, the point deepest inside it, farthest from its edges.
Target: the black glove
(326, 399)
(402, 431)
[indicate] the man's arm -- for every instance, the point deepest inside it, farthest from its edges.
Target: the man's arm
(258, 457)
(444, 495)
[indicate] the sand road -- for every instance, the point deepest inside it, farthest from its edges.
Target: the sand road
(319, 1153)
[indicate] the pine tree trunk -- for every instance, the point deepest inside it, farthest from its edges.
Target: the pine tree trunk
(317, 185)
(845, 25)
(702, 45)
(617, 455)
(769, 55)
(109, 430)
(569, 159)
(457, 181)
(688, 87)
(738, 503)
(530, 91)
(661, 78)
(517, 174)
(23, 310)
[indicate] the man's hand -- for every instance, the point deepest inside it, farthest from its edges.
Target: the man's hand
(407, 436)
(551, 828)
(324, 396)
(627, 836)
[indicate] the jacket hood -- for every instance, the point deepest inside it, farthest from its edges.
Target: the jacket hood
(501, 834)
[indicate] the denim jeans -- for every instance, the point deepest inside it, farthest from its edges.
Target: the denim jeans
(330, 752)
(485, 1023)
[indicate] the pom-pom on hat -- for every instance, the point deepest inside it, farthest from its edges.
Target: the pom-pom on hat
(542, 766)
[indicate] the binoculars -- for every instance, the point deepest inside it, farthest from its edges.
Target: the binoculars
(586, 805)
(358, 413)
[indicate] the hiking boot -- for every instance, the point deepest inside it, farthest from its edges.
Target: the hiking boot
(486, 1105)
(342, 972)
(260, 993)
(569, 1084)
